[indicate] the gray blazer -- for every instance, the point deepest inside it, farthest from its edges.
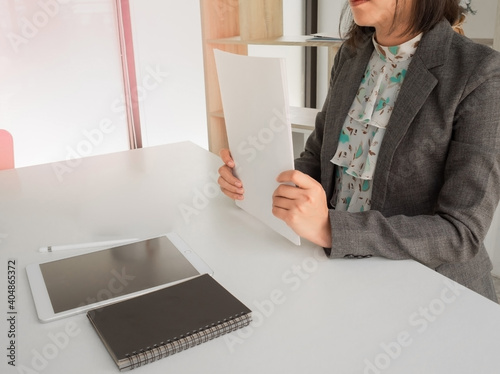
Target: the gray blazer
(437, 179)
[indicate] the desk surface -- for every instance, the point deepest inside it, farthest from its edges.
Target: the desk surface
(311, 314)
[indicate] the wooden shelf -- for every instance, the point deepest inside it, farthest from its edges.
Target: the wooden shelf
(233, 25)
(301, 118)
(297, 40)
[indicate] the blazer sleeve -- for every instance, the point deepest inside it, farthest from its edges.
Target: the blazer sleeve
(466, 203)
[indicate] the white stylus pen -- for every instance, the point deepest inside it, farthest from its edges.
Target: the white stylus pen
(53, 248)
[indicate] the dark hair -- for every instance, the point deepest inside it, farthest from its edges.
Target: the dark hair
(425, 15)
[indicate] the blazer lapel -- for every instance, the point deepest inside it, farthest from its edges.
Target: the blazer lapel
(415, 90)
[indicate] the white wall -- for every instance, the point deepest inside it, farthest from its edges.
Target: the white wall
(168, 41)
(59, 84)
(482, 24)
(167, 37)
(60, 79)
(328, 22)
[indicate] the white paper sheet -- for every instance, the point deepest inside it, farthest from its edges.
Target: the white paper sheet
(256, 111)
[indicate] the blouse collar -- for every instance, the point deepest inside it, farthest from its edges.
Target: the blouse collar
(397, 53)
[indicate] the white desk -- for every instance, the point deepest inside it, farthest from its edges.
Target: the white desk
(311, 314)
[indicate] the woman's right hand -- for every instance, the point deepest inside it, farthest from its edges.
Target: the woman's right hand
(229, 184)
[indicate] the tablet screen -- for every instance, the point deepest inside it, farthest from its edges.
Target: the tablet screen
(102, 275)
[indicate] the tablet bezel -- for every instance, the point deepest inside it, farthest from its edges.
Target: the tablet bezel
(40, 293)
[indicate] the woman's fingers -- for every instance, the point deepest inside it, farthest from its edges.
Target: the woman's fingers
(225, 155)
(229, 184)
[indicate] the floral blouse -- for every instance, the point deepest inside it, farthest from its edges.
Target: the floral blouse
(364, 127)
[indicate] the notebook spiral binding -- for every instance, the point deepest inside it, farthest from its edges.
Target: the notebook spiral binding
(157, 352)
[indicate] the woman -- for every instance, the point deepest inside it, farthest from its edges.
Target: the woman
(404, 161)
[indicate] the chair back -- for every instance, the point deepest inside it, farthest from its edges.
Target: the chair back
(6, 150)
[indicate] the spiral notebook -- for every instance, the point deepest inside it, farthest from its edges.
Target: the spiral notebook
(158, 324)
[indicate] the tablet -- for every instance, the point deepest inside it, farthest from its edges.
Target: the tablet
(75, 284)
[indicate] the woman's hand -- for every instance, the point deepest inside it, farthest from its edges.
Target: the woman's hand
(303, 207)
(229, 184)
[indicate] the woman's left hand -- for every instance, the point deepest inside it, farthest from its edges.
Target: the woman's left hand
(303, 207)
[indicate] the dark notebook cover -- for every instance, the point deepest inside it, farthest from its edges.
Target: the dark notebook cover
(164, 316)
